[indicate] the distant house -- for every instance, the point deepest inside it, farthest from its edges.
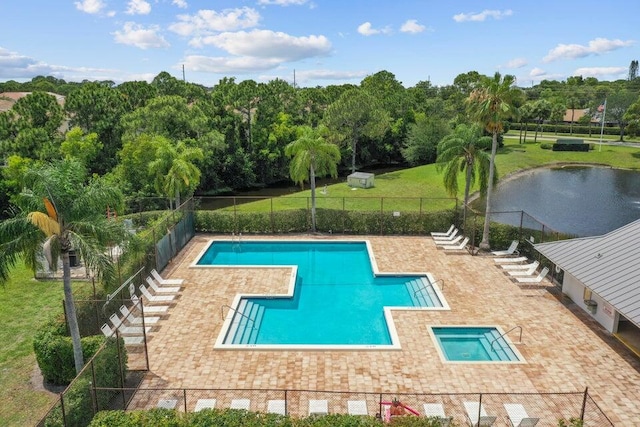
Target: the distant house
(8, 99)
(574, 114)
(602, 276)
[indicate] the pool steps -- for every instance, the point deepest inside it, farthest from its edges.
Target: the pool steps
(245, 323)
(426, 297)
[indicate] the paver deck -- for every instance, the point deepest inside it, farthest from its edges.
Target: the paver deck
(564, 349)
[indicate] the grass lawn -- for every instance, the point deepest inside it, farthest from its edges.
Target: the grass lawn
(24, 304)
(426, 181)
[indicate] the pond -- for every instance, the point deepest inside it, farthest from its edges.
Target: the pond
(583, 201)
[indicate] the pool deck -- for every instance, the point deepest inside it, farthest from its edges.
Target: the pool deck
(564, 348)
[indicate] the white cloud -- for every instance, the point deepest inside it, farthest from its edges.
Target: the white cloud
(182, 4)
(537, 72)
(138, 7)
(482, 16)
(279, 46)
(207, 21)
(304, 76)
(595, 47)
(222, 65)
(282, 2)
(614, 72)
(90, 6)
(516, 63)
(136, 35)
(412, 26)
(367, 29)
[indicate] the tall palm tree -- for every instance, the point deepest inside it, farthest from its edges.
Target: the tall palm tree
(462, 151)
(60, 211)
(312, 156)
(491, 104)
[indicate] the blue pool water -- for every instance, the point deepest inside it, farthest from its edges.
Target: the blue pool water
(336, 301)
(473, 344)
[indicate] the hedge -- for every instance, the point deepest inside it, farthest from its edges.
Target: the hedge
(237, 418)
(327, 221)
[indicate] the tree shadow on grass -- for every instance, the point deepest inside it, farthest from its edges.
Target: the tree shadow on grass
(389, 176)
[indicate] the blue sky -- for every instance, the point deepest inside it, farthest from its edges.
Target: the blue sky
(324, 41)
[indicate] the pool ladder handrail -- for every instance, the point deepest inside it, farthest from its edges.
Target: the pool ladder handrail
(502, 336)
(237, 312)
(429, 285)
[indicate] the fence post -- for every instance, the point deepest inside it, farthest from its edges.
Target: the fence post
(584, 403)
(286, 403)
(273, 226)
(479, 409)
(382, 216)
(144, 334)
(121, 376)
(184, 396)
(344, 224)
(64, 416)
(94, 398)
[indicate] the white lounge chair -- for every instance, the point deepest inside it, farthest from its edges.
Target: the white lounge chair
(436, 410)
(205, 404)
(129, 317)
(318, 407)
(167, 403)
(163, 281)
(149, 309)
(124, 329)
(160, 289)
(240, 404)
(539, 278)
(458, 247)
(510, 260)
(513, 249)
(472, 410)
(277, 406)
(357, 407)
(448, 238)
(528, 271)
(453, 242)
(107, 332)
(443, 234)
(518, 417)
(154, 298)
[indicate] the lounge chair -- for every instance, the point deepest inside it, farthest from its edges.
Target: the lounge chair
(162, 289)
(155, 309)
(277, 407)
(127, 330)
(524, 270)
(518, 417)
(448, 238)
(129, 317)
(240, 404)
(155, 298)
(452, 242)
(539, 278)
(472, 411)
(443, 234)
(107, 332)
(510, 260)
(461, 246)
(167, 403)
(513, 249)
(318, 407)
(436, 410)
(357, 407)
(163, 281)
(205, 404)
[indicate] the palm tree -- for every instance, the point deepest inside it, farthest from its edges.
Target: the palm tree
(491, 104)
(462, 151)
(59, 211)
(311, 156)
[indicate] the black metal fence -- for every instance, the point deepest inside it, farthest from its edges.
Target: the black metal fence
(548, 407)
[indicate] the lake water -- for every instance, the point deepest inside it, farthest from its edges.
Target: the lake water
(583, 201)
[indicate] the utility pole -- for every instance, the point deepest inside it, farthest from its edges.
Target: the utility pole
(183, 78)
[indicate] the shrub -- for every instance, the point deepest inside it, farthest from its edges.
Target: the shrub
(546, 146)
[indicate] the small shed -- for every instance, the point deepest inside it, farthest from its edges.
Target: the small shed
(361, 180)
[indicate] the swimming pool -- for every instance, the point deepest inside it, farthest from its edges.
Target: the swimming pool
(336, 296)
(474, 344)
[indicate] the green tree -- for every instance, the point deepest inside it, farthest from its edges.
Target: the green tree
(421, 145)
(464, 151)
(354, 115)
(541, 111)
(174, 169)
(617, 105)
(491, 104)
(60, 210)
(83, 147)
(312, 156)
